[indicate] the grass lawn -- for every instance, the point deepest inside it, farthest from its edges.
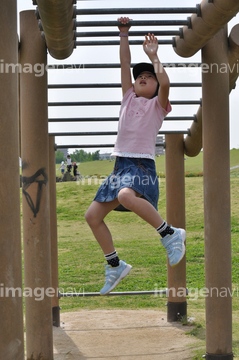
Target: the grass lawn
(193, 165)
(81, 263)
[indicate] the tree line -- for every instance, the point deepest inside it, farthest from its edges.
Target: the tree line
(78, 156)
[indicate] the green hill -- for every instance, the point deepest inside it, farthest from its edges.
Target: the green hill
(193, 165)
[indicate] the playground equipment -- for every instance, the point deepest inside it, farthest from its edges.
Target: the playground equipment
(59, 26)
(205, 29)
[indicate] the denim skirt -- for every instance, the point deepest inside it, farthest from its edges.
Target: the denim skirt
(135, 173)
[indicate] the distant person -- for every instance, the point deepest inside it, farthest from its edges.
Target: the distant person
(133, 182)
(68, 163)
(62, 168)
(75, 167)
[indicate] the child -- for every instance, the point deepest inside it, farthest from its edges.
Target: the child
(62, 167)
(75, 169)
(133, 182)
(68, 162)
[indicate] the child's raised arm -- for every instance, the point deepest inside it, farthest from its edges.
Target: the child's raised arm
(125, 56)
(150, 46)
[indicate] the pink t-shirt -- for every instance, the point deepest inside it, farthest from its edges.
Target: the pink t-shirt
(139, 122)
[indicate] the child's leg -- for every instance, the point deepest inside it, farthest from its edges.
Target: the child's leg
(116, 269)
(95, 218)
(129, 199)
(172, 238)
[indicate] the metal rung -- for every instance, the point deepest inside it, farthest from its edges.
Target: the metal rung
(116, 42)
(112, 11)
(83, 119)
(185, 84)
(106, 119)
(134, 23)
(180, 118)
(85, 146)
(113, 85)
(119, 293)
(131, 33)
(85, 133)
(99, 146)
(115, 66)
(83, 86)
(109, 133)
(116, 103)
(85, 103)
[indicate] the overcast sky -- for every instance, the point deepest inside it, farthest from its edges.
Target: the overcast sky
(109, 54)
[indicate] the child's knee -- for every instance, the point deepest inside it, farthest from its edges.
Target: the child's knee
(89, 217)
(125, 197)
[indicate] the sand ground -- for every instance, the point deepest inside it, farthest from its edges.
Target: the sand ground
(122, 335)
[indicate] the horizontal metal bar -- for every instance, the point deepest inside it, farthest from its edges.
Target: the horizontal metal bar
(116, 42)
(131, 33)
(107, 85)
(115, 66)
(109, 133)
(118, 293)
(134, 23)
(89, 146)
(152, 10)
(84, 146)
(180, 118)
(85, 103)
(185, 85)
(83, 119)
(106, 119)
(116, 103)
(83, 86)
(99, 146)
(85, 133)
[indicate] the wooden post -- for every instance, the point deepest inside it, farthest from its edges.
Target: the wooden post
(36, 208)
(11, 313)
(175, 204)
(216, 154)
(53, 225)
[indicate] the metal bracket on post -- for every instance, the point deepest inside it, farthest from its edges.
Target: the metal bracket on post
(56, 316)
(176, 311)
(219, 357)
